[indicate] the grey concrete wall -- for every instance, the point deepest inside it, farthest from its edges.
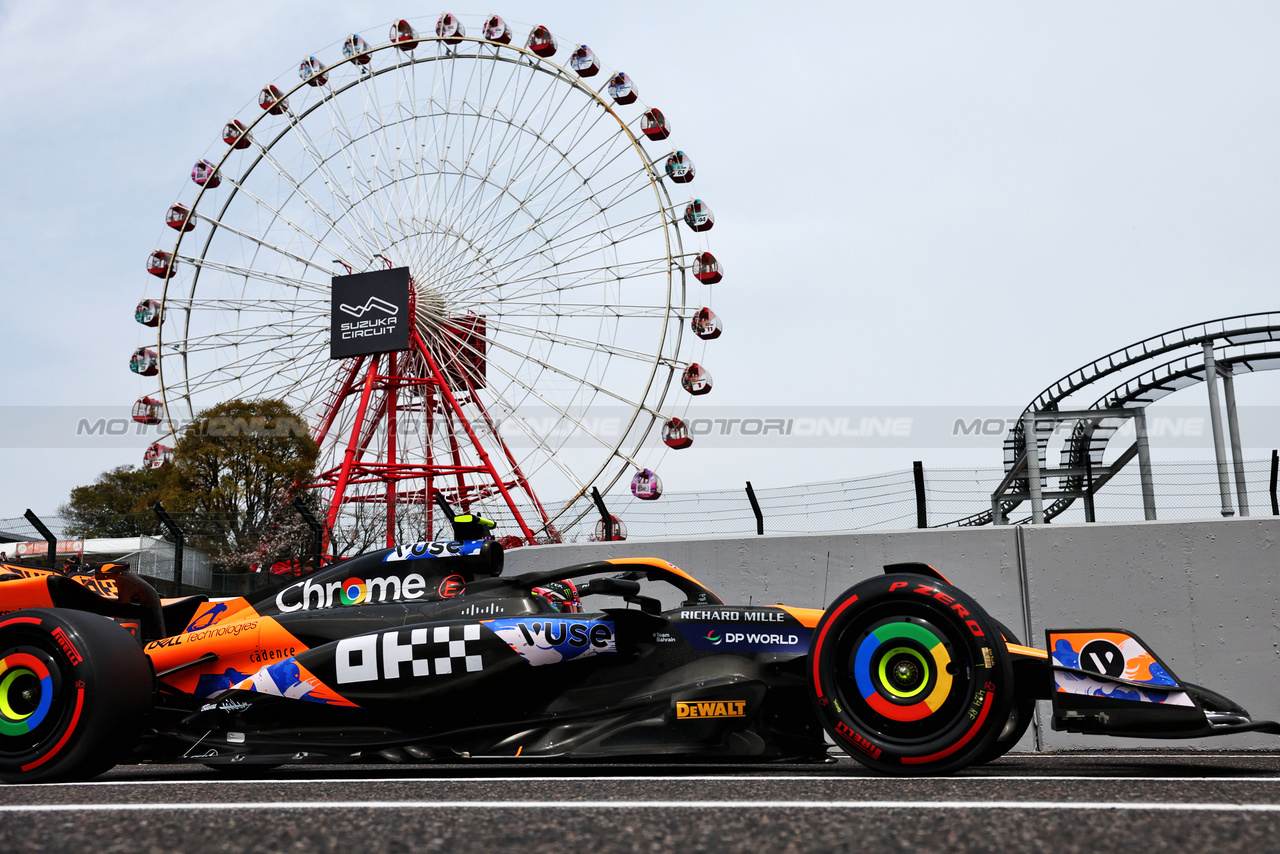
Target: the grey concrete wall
(1203, 594)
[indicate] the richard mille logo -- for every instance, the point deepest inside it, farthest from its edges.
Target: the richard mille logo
(359, 311)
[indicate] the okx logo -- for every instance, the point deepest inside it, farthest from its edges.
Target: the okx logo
(401, 653)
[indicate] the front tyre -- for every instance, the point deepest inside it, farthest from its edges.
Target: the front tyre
(910, 676)
(1022, 710)
(75, 689)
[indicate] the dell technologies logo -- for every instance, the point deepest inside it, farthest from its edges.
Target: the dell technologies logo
(367, 311)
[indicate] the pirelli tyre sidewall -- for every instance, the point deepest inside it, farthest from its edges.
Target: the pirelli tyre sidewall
(75, 689)
(909, 675)
(1021, 711)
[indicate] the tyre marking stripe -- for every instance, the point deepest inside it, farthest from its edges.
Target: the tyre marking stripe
(982, 716)
(10, 622)
(817, 647)
(75, 719)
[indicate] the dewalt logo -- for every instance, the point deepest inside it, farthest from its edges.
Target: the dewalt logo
(712, 709)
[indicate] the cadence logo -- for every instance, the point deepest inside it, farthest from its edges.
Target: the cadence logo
(711, 709)
(366, 313)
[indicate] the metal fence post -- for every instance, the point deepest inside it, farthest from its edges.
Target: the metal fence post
(1090, 510)
(317, 553)
(176, 532)
(922, 513)
(604, 514)
(1275, 470)
(755, 508)
(47, 534)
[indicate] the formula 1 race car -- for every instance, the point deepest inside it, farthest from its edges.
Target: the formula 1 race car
(428, 652)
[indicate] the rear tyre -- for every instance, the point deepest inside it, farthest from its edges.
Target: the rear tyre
(909, 675)
(1015, 727)
(75, 689)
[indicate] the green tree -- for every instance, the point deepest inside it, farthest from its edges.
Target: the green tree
(116, 504)
(235, 471)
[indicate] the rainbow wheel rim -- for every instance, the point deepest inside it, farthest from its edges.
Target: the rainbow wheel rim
(901, 671)
(26, 693)
(354, 591)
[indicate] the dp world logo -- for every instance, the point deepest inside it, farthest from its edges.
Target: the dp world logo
(714, 636)
(359, 311)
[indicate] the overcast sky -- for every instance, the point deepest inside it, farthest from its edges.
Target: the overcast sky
(918, 204)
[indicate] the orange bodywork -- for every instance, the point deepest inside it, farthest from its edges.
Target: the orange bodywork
(808, 617)
(243, 642)
(31, 592)
(103, 587)
(1028, 651)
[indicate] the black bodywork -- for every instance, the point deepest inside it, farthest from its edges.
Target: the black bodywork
(452, 676)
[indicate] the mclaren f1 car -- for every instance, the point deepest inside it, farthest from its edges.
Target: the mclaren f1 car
(430, 652)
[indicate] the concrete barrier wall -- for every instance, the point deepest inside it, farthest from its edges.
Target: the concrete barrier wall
(1205, 595)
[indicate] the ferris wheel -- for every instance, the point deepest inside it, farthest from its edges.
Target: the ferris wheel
(555, 258)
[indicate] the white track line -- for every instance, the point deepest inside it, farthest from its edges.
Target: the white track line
(650, 805)
(699, 778)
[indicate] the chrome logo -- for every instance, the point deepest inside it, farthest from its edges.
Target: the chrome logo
(26, 692)
(354, 591)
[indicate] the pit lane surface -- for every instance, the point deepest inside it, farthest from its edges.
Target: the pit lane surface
(1061, 803)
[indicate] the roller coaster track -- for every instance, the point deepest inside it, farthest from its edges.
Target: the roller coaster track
(1243, 344)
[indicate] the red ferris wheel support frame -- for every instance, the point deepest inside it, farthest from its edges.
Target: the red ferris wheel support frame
(385, 375)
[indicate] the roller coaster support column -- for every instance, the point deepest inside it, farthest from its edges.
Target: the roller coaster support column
(1144, 464)
(1033, 468)
(1215, 418)
(1233, 430)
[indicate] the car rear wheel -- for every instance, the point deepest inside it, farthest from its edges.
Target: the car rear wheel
(910, 676)
(75, 689)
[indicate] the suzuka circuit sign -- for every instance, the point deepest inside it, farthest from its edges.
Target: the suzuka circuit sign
(369, 313)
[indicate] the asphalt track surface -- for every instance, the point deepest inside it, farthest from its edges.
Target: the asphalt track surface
(1147, 802)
